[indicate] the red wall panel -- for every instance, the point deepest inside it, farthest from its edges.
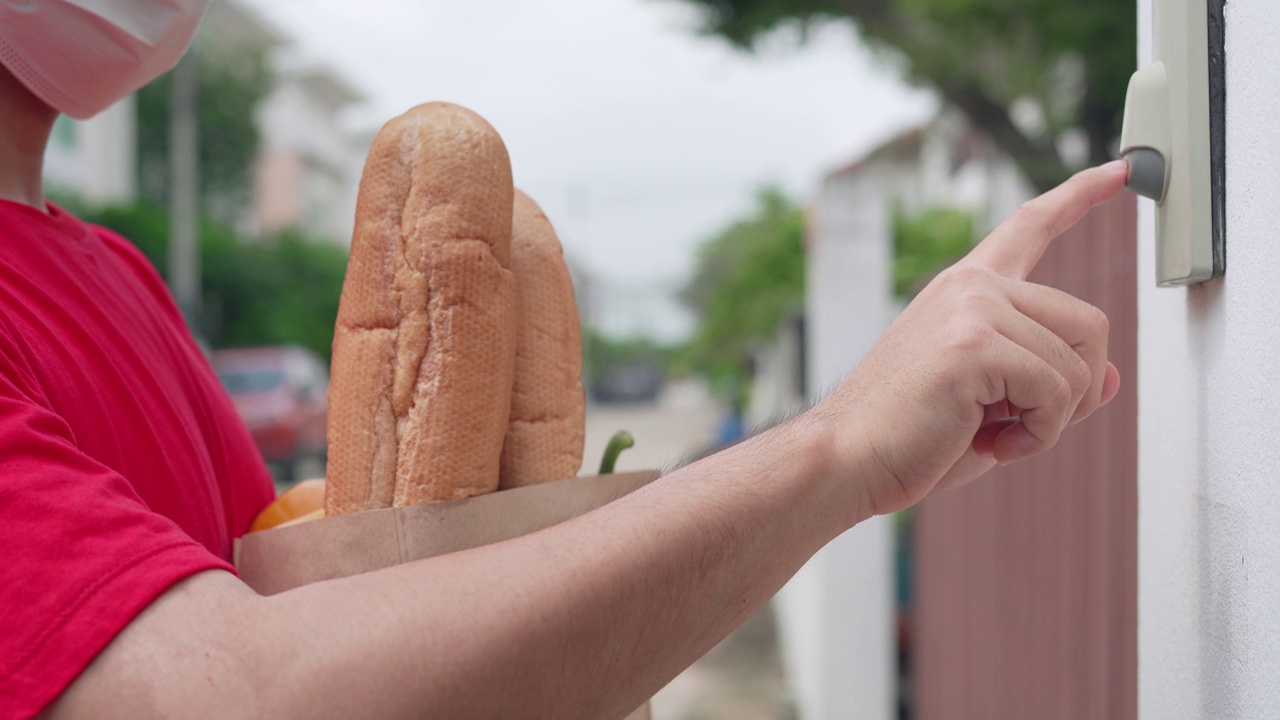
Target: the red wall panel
(1026, 581)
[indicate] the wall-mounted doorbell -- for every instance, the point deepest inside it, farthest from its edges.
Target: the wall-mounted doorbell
(1173, 139)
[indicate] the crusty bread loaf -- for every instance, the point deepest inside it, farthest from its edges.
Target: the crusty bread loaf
(424, 347)
(548, 410)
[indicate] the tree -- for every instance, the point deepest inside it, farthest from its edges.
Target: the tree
(1071, 59)
(925, 243)
(747, 280)
(230, 86)
(277, 290)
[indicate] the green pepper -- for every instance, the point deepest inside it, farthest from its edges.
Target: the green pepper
(620, 441)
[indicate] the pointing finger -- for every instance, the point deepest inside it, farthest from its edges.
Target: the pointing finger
(1014, 248)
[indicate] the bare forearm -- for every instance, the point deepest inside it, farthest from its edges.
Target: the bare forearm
(586, 619)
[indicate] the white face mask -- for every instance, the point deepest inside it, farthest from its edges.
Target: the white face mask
(80, 56)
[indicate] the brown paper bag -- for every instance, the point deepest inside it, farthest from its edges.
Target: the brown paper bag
(274, 561)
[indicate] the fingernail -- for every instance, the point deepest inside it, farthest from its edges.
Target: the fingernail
(1114, 165)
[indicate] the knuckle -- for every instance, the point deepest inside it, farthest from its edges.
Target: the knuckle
(1081, 377)
(982, 277)
(973, 299)
(1026, 209)
(1063, 393)
(968, 338)
(948, 280)
(1099, 324)
(963, 276)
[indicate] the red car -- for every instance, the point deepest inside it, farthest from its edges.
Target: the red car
(282, 395)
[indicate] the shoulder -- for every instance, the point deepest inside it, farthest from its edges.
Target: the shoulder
(126, 252)
(139, 267)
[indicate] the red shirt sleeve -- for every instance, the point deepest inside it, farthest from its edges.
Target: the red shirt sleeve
(123, 465)
(81, 555)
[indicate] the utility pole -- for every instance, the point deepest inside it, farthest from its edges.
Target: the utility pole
(579, 206)
(184, 190)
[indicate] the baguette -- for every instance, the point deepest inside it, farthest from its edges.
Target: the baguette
(548, 409)
(424, 348)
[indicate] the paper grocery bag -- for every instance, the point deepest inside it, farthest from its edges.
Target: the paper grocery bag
(273, 561)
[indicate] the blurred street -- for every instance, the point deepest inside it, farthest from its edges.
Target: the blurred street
(741, 679)
(681, 422)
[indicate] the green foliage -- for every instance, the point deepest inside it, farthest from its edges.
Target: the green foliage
(279, 290)
(286, 291)
(747, 280)
(1073, 58)
(230, 85)
(926, 243)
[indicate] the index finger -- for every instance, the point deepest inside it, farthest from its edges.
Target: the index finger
(1014, 248)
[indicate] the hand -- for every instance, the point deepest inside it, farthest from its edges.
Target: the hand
(983, 367)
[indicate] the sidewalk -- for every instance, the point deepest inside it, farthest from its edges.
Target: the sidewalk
(742, 677)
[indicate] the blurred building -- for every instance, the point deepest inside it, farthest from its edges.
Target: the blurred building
(947, 162)
(308, 166)
(95, 160)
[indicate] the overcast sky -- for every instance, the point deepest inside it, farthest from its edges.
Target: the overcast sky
(637, 136)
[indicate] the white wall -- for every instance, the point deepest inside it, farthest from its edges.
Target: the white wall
(836, 615)
(1209, 424)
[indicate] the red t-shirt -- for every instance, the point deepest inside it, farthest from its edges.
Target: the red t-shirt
(123, 465)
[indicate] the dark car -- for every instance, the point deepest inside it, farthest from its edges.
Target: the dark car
(282, 395)
(633, 382)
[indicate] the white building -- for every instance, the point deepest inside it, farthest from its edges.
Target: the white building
(96, 159)
(308, 165)
(308, 168)
(946, 162)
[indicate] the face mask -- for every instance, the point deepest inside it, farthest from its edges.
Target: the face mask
(81, 56)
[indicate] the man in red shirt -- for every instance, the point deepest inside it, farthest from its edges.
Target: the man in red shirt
(124, 475)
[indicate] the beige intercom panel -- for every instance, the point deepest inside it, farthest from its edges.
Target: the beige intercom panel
(1166, 140)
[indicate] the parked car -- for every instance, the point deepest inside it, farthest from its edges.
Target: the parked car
(282, 395)
(634, 382)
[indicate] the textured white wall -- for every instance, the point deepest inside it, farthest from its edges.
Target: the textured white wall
(836, 615)
(1209, 424)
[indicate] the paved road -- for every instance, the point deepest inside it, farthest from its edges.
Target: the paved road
(681, 422)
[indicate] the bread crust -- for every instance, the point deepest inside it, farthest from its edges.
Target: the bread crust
(424, 347)
(548, 409)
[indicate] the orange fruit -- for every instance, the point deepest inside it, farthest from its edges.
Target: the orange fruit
(313, 515)
(302, 499)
